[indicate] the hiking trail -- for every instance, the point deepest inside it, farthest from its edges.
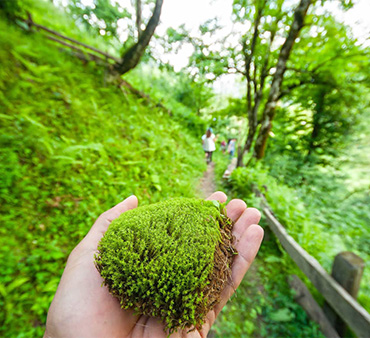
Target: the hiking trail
(207, 184)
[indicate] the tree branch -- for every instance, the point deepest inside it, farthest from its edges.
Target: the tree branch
(138, 19)
(132, 57)
(248, 57)
(269, 111)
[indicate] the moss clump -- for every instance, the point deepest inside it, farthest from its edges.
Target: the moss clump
(169, 260)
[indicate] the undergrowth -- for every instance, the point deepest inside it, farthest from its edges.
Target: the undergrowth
(314, 213)
(322, 215)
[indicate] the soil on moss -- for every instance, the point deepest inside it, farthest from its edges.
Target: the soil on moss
(223, 259)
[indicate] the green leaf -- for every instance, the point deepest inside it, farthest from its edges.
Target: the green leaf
(216, 203)
(17, 283)
(272, 259)
(282, 315)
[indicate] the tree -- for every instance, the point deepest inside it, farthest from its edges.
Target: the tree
(271, 29)
(103, 16)
(132, 56)
(274, 93)
(259, 56)
(329, 80)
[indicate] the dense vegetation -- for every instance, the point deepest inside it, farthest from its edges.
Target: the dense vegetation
(74, 143)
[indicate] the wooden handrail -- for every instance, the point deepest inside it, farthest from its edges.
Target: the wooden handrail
(91, 55)
(29, 21)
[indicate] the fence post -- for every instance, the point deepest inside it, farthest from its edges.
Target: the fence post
(347, 271)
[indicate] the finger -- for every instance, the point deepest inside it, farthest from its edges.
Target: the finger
(247, 248)
(235, 209)
(129, 203)
(217, 196)
(102, 223)
(153, 328)
(250, 216)
(210, 318)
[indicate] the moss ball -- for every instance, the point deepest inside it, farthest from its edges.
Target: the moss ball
(169, 260)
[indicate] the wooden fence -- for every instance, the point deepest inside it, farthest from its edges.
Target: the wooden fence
(346, 307)
(93, 53)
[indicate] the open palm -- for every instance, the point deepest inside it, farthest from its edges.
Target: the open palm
(83, 308)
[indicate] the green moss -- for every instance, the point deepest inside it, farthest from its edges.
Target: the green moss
(160, 259)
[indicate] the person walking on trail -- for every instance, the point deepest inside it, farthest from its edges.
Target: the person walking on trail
(231, 148)
(209, 145)
(223, 146)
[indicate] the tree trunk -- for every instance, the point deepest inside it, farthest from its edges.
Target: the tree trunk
(269, 111)
(252, 128)
(247, 146)
(316, 125)
(138, 19)
(132, 57)
(252, 109)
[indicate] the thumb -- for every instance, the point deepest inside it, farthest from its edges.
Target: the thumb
(102, 223)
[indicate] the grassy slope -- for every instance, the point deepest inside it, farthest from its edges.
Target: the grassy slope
(72, 146)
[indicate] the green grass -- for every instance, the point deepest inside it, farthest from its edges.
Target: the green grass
(72, 145)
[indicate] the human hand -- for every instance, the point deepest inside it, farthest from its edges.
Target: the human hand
(83, 308)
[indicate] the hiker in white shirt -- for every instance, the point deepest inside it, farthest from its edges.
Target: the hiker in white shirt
(209, 146)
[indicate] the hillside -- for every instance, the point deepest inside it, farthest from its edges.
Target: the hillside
(72, 145)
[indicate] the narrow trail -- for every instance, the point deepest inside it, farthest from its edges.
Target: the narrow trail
(207, 184)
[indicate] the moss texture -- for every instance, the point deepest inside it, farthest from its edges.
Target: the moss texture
(169, 260)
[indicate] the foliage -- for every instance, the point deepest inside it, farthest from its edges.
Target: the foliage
(10, 7)
(316, 213)
(328, 89)
(194, 94)
(120, 24)
(167, 88)
(152, 244)
(101, 16)
(115, 20)
(72, 145)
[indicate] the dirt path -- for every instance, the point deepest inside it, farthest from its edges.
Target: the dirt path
(207, 184)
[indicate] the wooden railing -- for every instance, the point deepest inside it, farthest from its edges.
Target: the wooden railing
(345, 306)
(61, 39)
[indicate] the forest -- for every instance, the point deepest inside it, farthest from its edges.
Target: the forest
(104, 99)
